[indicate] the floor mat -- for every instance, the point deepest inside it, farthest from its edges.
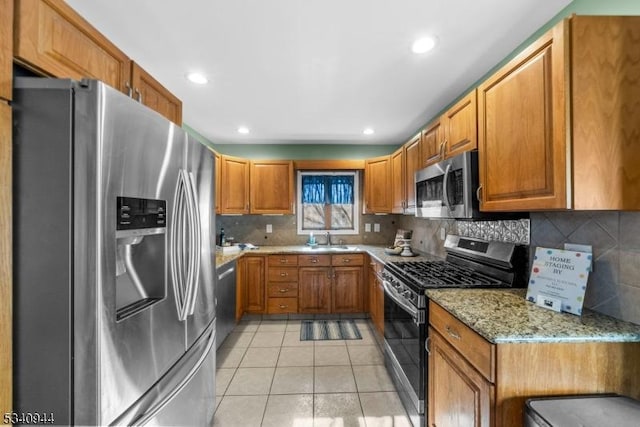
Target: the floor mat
(317, 330)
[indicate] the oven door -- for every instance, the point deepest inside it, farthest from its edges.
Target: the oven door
(405, 356)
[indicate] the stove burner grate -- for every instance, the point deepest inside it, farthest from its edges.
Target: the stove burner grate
(444, 274)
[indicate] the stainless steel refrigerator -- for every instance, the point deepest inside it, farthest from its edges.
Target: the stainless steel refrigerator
(113, 260)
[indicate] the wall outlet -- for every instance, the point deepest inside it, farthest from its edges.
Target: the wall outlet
(367, 228)
(376, 228)
(269, 228)
(443, 233)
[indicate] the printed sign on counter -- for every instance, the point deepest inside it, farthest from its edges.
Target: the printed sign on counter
(558, 279)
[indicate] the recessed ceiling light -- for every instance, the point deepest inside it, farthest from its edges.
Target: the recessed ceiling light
(424, 44)
(368, 131)
(243, 130)
(197, 78)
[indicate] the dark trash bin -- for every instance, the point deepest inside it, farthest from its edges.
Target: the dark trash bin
(582, 411)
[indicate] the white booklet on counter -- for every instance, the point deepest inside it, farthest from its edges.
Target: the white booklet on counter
(558, 279)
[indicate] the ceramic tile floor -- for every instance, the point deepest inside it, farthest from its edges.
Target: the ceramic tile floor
(267, 377)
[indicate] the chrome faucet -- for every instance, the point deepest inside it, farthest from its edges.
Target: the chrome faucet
(328, 239)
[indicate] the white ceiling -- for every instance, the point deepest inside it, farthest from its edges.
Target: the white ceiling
(316, 71)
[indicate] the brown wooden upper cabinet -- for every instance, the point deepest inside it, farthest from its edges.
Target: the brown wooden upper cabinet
(454, 132)
(558, 124)
(234, 185)
(148, 91)
(6, 48)
(53, 39)
(255, 186)
(377, 178)
(460, 125)
(398, 181)
(431, 143)
(405, 161)
(412, 164)
(218, 179)
(271, 189)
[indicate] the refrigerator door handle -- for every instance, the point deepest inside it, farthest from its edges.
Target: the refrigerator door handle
(196, 244)
(176, 247)
(148, 415)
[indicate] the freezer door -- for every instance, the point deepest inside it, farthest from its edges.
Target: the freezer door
(185, 396)
(200, 167)
(122, 149)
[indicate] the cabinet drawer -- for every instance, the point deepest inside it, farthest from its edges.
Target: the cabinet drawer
(478, 351)
(347, 259)
(282, 274)
(282, 305)
(275, 260)
(314, 260)
(283, 290)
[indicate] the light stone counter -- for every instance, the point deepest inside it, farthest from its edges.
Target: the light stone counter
(375, 251)
(504, 316)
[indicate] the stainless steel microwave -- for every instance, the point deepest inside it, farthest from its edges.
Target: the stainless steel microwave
(448, 188)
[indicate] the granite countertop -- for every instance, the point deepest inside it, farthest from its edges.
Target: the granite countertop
(375, 251)
(504, 316)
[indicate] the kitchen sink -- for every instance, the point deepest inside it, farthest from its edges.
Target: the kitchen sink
(332, 248)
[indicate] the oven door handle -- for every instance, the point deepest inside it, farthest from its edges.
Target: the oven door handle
(388, 290)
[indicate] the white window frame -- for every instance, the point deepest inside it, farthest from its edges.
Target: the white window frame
(356, 204)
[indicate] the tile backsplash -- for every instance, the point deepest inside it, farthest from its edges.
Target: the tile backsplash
(614, 285)
(252, 229)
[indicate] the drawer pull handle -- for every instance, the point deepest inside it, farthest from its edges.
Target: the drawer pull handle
(314, 260)
(284, 274)
(453, 333)
(283, 306)
(283, 261)
(346, 260)
(282, 291)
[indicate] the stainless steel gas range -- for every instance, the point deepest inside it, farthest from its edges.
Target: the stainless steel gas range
(469, 263)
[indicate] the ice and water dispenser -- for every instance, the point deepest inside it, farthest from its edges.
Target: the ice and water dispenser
(141, 254)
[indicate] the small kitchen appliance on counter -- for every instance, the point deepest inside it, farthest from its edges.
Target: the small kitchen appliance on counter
(469, 263)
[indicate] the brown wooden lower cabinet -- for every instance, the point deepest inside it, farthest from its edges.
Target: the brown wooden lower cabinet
(253, 284)
(473, 382)
(291, 283)
(314, 289)
(346, 295)
(376, 296)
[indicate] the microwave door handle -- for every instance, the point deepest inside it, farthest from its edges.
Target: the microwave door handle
(445, 188)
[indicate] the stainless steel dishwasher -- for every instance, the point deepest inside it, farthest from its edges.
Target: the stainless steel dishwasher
(225, 301)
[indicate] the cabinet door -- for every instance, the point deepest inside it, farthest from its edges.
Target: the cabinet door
(397, 181)
(6, 48)
(253, 276)
(218, 178)
(377, 173)
(605, 54)
(53, 39)
(234, 185)
(413, 163)
(522, 129)
(457, 394)
(314, 290)
(272, 187)
(432, 144)
(347, 290)
(460, 124)
(150, 92)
